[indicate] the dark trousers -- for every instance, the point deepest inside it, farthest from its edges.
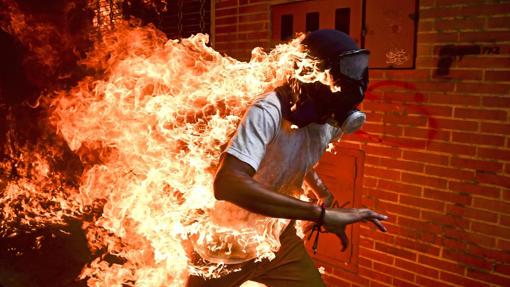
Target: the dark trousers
(291, 267)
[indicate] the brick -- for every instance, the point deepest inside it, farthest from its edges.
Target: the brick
(377, 284)
(489, 254)
(453, 149)
(226, 12)
(488, 277)
(254, 8)
(466, 259)
(491, 229)
(400, 119)
(402, 164)
(468, 237)
(474, 189)
(498, 22)
(226, 3)
(416, 230)
(472, 213)
(376, 255)
(335, 281)
(492, 204)
(495, 128)
(493, 153)
(482, 88)
(478, 139)
(503, 244)
(390, 208)
(441, 264)
(483, 62)
(353, 278)
(461, 280)
(405, 142)
(456, 124)
(383, 151)
(396, 95)
(400, 187)
(459, 162)
(434, 37)
(227, 29)
(418, 246)
(438, 12)
(374, 117)
(247, 18)
(428, 110)
(416, 268)
(441, 3)
(489, 178)
(445, 219)
(460, 24)
(497, 76)
(382, 195)
(435, 86)
(503, 268)
(425, 157)
(405, 75)
(429, 134)
(484, 36)
(496, 101)
(454, 197)
(464, 74)
(401, 283)
(395, 251)
(455, 99)
(500, 115)
(489, 9)
(254, 30)
(395, 272)
(423, 180)
(381, 129)
(424, 281)
(374, 275)
(504, 220)
(446, 172)
(379, 106)
(422, 202)
(383, 173)
(453, 243)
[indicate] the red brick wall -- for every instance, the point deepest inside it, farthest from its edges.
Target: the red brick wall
(437, 148)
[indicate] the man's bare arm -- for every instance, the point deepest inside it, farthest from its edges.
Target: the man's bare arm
(320, 189)
(234, 183)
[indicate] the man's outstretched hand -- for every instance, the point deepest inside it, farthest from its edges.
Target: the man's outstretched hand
(336, 219)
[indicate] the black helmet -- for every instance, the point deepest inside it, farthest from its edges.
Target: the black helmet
(348, 64)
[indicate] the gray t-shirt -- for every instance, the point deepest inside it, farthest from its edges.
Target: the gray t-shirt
(281, 156)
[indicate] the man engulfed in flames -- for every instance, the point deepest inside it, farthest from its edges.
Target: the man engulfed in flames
(279, 140)
(148, 125)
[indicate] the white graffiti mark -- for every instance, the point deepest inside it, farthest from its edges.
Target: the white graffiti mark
(396, 57)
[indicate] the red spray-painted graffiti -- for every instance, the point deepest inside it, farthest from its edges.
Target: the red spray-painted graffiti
(402, 108)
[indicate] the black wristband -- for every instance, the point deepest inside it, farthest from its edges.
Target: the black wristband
(321, 217)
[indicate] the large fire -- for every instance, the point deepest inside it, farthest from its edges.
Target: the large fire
(149, 130)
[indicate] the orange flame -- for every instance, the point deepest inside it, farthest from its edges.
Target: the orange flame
(149, 131)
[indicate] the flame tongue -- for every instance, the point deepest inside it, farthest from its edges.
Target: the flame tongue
(149, 133)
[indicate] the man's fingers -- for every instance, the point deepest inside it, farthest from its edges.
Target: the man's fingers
(379, 225)
(367, 214)
(343, 239)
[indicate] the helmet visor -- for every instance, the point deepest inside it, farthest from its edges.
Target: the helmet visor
(353, 64)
